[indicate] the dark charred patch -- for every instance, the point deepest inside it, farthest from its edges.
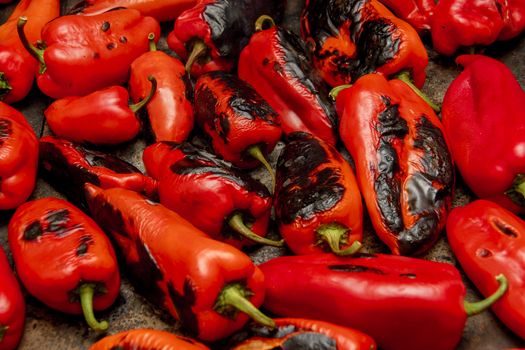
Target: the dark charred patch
(33, 231)
(423, 197)
(85, 242)
(309, 341)
(58, 222)
(118, 347)
(183, 307)
(123, 39)
(355, 268)
(408, 275)
(265, 61)
(505, 229)
(278, 332)
(109, 218)
(483, 253)
(96, 55)
(6, 129)
(99, 159)
(105, 26)
(111, 46)
(418, 235)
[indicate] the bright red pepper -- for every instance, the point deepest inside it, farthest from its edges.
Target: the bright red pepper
(483, 120)
(416, 12)
(63, 258)
(513, 19)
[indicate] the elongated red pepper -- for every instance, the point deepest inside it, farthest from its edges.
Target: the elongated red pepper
(12, 307)
(488, 239)
(403, 165)
(416, 12)
(403, 303)
(86, 53)
(317, 200)
(483, 120)
(100, 118)
(63, 258)
(200, 281)
(17, 67)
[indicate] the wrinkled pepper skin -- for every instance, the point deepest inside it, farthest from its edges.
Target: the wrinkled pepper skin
(12, 307)
(316, 191)
(150, 339)
(357, 37)
(513, 19)
(67, 166)
(486, 138)
(182, 269)
(416, 12)
(403, 166)
(488, 239)
(17, 66)
(88, 53)
(275, 62)
(18, 158)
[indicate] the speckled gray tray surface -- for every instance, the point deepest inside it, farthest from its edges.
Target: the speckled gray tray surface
(48, 329)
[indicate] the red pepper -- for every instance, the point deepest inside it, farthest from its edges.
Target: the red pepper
(12, 306)
(200, 281)
(170, 111)
(403, 303)
(63, 258)
(483, 120)
(416, 12)
(100, 118)
(18, 158)
(513, 19)
(86, 53)
(488, 239)
(17, 67)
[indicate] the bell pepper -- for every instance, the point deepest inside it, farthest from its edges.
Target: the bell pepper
(63, 258)
(317, 200)
(357, 37)
(514, 19)
(18, 158)
(215, 197)
(17, 66)
(275, 62)
(87, 53)
(402, 303)
(483, 120)
(100, 118)
(12, 306)
(67, 166)
(210, 35)
(403, 166)
(201, 282)
(488, 239)
(170, 111)
(416, 12)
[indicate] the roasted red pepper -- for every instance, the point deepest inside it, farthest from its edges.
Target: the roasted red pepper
(211, 194)
(403, 303)
(68, 166)
(416, 12)
(12, 307)
(317, 201)
(86, 53)
(100, 118)
(17, 67)
(357, 37)
(403, 165)
(488, 239)
(483, 120)
(18, 158)
(513, 19)
(63, 258)
(276, 64)
(200, 281)
(170, 111)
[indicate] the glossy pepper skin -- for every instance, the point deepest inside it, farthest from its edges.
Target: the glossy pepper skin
(63, 258)
(12, 307)
(317, 200)
(416, 12)
(68, 166)
(488, 239)
(403, 166)
(402, 303)
(486, 138)
(181, 268)
(514, 19)
(88, 53)
(275, 62)
(18, 173)
(357, 37)
(216, 31)
(17, 67)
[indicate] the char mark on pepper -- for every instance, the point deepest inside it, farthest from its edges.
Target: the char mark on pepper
(419, 234)
(147, 273)
(183, 303)
(102, 160)
(6, 129)
(355, 269)
(309, 341)
(33, 231)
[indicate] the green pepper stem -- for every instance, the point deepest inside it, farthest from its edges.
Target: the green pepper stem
(3, 330)
(262, 20)
(238, 225)
(517, 191)
(87, 291)
(5, 88)
(198, 49)
(151, 40)
(255, 152)
(476, 308)
(335, 91)
(137, 106)
(335, 235)
(33, 50)
(405, 77)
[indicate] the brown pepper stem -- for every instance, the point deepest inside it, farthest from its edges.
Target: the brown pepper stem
(151, 40)
(38, 54)
(255, 152)
(198, 49)
(335, 91)
(405, 77)
(335, 234)
(262, 21)
(238, 225)
(86, 292)
(476, 308)
(137, 106)
(5, 88)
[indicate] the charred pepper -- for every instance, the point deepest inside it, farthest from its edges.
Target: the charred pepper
(416, 12)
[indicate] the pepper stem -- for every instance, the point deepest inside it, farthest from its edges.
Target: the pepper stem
(233, 298)
(238, 225)
(476, 308)
(5, 88)
(517, 191)
(3, 329)
(335, 91)
(198, 49)
(405, 77)
(335, 235)
(255, 152)
(37, 53)
(262, 20)
(151, 40)
(137, 106)
(86, 291)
